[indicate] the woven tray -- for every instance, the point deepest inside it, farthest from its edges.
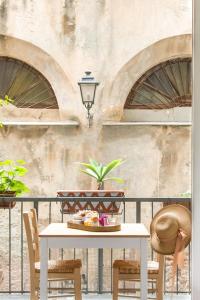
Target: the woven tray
(108, 228)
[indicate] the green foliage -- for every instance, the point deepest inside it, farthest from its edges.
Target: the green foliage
(186, 195)
(5, 101)
(99, 171)
(9, 172)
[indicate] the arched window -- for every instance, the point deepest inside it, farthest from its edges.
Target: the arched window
(165, 86)
(25, 85)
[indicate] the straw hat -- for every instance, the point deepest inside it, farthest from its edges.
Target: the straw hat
(166, 225)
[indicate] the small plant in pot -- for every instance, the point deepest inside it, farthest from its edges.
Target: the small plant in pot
(100, 172)
(10, 185)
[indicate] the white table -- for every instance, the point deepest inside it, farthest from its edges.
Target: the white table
(57, 235)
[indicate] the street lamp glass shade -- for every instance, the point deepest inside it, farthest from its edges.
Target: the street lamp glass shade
(88, 89)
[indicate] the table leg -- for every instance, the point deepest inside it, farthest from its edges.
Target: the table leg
(143, 269)
(43, 268)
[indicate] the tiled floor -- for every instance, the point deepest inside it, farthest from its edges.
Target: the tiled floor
(93, 297)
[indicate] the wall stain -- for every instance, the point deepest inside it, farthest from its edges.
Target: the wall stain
(3, 9)
(102, 2)
(69, 17)
(101, 5)
(24, 3)
(168, 142)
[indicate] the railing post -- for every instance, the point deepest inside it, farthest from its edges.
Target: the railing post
(10, 252)
(138, 212)
(22, 250)
(35, 205)
(100, 270)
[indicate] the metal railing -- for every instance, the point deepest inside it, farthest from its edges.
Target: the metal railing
(97, 264)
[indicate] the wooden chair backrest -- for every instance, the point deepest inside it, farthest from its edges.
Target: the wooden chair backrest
(31, 227)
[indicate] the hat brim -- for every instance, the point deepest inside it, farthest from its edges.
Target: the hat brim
(183, 217)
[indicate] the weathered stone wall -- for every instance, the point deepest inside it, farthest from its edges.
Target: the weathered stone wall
(118, 40)
(157, 157)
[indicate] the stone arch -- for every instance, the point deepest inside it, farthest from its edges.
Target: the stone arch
(45, 64)
(168, 48)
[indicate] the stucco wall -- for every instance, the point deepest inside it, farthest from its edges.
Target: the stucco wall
(117, 40)
(157, 157)
(62, 39)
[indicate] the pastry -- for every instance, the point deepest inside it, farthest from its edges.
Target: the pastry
(87, 217)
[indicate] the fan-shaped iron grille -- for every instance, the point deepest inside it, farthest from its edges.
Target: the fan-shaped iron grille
(25, 85)
(165, 86)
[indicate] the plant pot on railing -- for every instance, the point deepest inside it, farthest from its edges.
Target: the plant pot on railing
(72, 206)
(4, 203)
(100, 173)
(10, 186)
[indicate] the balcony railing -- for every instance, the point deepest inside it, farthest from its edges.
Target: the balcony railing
(97, 264)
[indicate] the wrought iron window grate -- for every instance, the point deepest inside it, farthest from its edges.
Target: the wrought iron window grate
(164, 86)
(25, 85)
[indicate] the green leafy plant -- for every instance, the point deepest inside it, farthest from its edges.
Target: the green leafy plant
(5, 101)
(100, 172)
(9, 172)
(187, 194)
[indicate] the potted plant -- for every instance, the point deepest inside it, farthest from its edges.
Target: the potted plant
(10, 185)
(101, 173)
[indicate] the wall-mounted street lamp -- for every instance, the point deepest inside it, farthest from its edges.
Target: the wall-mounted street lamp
(88, 86)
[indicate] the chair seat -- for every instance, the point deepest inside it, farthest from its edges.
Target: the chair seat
(133, 267)
(60, 266)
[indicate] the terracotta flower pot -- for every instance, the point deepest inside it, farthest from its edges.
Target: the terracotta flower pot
(7, 203)
(112, 207)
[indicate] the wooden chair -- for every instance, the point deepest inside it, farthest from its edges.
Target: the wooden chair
(129, 270)
(58, 270)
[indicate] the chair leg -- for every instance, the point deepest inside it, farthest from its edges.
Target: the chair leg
(33, 294)
(159, 289)
(77, 285)
(115, 283)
